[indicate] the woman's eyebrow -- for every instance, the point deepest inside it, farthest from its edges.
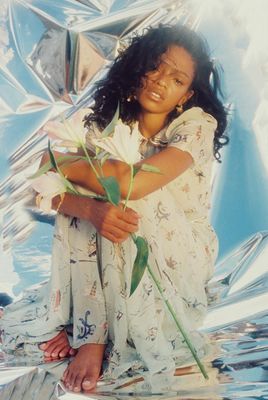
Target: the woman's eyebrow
(178, 71)
(174, 66)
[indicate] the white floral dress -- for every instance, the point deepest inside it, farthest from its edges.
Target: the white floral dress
(90, 276)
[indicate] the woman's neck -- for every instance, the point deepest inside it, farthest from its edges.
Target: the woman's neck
(151, 124)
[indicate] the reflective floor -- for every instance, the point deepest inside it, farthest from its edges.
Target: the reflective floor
(237, 324)
(43, 73)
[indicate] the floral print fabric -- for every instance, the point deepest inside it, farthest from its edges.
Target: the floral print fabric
(90, 277)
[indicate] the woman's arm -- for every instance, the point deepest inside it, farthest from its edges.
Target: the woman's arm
(111, 222)
(171, 162)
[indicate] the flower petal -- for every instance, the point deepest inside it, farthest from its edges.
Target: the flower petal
(49, 184)
(123, 145)
(45, 204)
(55, 130)
(71, 131)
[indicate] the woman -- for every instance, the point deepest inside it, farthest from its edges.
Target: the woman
(167, 85)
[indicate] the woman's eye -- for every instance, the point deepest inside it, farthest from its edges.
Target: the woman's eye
(152, 71)
(178, 81)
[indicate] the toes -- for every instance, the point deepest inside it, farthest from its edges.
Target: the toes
(52, 351)
(72, 351)
(66, 377)
(89, 384)
(70, 382)
(43, 346)
(77, 384)
(60, 340)
(55, 349)
(64, 352)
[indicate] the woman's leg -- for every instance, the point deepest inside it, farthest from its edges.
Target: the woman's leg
(88, 308)
(73, 296)
(44, 310)
(140, 327)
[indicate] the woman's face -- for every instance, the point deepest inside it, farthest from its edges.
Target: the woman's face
(170, 84)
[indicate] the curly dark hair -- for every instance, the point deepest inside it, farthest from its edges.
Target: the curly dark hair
(143, 55)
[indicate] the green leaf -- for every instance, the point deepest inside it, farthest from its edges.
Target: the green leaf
(93, 196)
(136, 169)
(66, 158)
(112, 189)
(45, 168)
(69, 186)
(150, 168)
(52, 158)
(53, 161)
(140, 263)
(110, 127)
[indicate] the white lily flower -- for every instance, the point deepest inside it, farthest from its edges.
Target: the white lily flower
(48, 186)
(69, 133)
(123, 145)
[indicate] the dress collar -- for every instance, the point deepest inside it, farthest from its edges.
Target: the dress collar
(157, 140)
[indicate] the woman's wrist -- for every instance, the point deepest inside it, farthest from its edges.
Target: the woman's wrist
(86, 206)
(73, 205)
(57, 203)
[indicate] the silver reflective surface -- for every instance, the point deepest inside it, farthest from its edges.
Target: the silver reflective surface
(51, 53)
(237, 324)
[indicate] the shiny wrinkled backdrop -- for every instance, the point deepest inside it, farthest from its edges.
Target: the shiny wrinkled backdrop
(51, 53)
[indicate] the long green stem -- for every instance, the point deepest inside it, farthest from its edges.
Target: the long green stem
(100, 168)
(130, 187)
(89, 196)
(89, 160)
(67, 126)
(178, 324)
(174, 316)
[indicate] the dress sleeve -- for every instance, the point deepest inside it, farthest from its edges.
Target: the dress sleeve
(193, 132)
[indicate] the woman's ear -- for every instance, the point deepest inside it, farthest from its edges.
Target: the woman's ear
(188, 95)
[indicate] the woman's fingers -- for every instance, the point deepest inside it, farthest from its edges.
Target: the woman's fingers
(127, 220)
(118, 228)
(128, 223)
(115, 223)
(129, 215)
(113, 233)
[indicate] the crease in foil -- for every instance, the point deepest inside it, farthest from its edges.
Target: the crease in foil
(51, 54)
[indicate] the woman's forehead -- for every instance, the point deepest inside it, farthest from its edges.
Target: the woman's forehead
(179, 59)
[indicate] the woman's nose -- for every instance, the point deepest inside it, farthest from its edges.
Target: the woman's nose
(161, 81)
(160, 78)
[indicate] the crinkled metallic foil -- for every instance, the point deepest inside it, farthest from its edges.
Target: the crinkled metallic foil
(51, 53)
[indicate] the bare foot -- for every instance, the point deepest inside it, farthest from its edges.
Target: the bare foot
(58, 347)
(83, 372)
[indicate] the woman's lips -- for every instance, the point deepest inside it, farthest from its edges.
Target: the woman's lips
(154, 95)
